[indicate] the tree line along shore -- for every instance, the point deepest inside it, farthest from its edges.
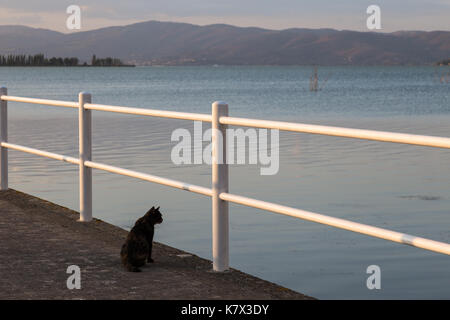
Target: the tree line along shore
(39, 60)
(445, 62)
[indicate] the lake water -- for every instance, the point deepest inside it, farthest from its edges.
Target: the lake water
(397, 187)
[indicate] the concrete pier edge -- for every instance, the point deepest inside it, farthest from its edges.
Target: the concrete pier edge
(40, 239)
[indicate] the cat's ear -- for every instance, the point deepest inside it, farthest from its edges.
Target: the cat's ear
(157, 208)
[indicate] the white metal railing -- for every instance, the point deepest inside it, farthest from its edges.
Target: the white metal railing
(219, 189)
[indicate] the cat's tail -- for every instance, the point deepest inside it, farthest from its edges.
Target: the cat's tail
(124, 254)
(123, 250)
(125, 259)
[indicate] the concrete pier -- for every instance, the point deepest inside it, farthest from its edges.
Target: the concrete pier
(39, 240)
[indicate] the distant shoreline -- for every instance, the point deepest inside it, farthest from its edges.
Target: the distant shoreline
(166, 43)
(40, 60)
(79, 66)
(235, 65)
(289, 65)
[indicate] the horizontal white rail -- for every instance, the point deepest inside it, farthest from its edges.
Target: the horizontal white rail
(40, 153)
(150, 112)
(219, 193)
(420, 140)
(125, 172)
(151, 178)
(402, 238)
(55, 103)
(116, 109)
(384, 136)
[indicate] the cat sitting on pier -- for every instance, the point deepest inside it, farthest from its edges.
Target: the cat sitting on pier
(137, 249)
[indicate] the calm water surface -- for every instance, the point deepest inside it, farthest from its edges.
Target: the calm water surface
(381, 184)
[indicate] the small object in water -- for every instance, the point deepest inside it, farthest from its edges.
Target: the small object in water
(314, 81)
(421, 197)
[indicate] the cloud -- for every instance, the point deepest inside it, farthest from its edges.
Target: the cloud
(30, 18)
(280, 14)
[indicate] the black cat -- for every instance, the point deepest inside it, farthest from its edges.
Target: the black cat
(137, 249)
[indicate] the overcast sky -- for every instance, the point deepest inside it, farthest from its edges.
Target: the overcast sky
(273, 14)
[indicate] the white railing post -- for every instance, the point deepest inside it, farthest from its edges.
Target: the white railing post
(85, 153)
(3, 138)
(220, 243)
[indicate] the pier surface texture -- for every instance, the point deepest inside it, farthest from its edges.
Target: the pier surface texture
(39, 240)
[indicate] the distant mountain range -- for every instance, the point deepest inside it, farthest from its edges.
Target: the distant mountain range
(168, 43)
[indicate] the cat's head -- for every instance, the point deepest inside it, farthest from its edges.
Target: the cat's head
(154, 216)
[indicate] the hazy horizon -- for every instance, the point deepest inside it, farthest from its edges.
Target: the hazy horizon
(416, 15)
(210, 24)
